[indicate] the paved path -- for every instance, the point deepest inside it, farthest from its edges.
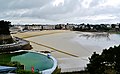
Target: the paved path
(72, 64)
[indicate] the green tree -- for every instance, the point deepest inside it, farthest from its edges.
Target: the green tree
(5, 37)
(88, 25)
(113, 25)
(106, 63)
(4, 27)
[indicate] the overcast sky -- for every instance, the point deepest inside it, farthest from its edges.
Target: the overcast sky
(60, 11)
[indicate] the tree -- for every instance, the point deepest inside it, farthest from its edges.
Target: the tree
(5, 36)
(113, 25)
(95, 66)
(119, 25)
(108, 61)
(88, 26)
(4, 27)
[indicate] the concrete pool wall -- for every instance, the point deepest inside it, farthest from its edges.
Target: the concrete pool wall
(50, 71)
(47, 71)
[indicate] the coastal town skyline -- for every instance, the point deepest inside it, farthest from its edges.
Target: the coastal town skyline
(60, 11)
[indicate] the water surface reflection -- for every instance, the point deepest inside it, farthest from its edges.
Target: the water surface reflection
(97, 40)
(96, 35)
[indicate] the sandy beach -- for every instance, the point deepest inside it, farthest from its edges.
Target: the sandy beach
(37, 33)
(71, 55)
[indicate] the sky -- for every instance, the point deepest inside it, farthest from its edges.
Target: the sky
(60, 11)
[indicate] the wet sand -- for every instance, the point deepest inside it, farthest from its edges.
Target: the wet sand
(62, 42)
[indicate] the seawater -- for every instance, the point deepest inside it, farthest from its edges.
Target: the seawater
(99, 41)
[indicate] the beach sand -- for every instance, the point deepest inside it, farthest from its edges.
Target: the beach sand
(37, 33)
(71, 56)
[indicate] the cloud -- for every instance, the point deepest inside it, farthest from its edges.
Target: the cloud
(112, 3)
(86, 3)
(60, 11)
(58, 2)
